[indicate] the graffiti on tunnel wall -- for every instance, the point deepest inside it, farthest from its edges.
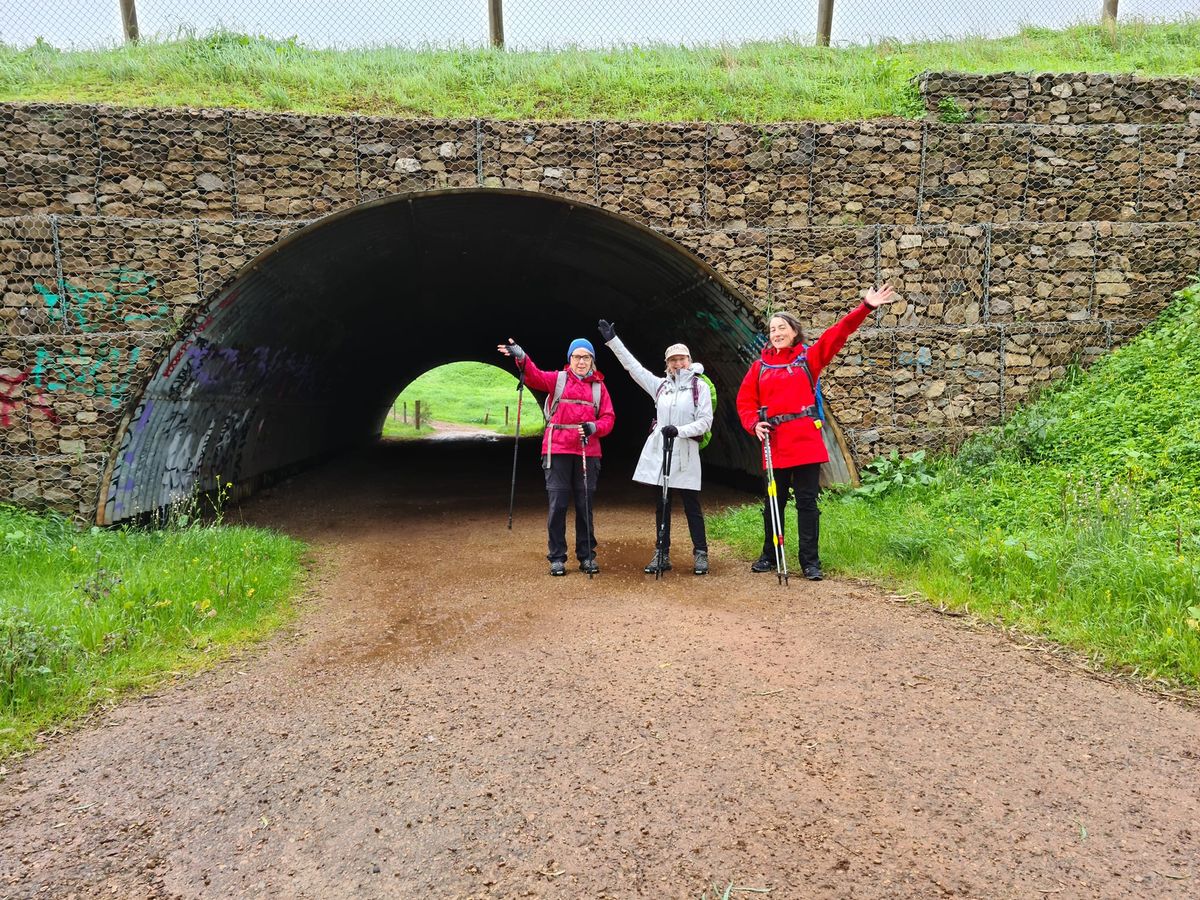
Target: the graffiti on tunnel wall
(752, 341)
(204, 364)
(124, 302)
(201, 416)
(173, 448)
(16, 391)
(104, 371)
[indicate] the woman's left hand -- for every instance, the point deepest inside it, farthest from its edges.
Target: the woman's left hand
(881, 296)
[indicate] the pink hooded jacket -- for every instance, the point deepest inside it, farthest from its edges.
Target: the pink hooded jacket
(566, 440)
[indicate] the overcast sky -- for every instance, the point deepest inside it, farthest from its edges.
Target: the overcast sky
(554, 23)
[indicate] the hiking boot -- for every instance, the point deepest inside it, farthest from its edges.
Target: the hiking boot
(660, 563)
(590, 566)
(813, 573)
(700, 562)
(557, 567)
(765, 563)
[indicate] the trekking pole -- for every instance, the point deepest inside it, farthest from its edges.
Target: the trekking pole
(781, 571)
(668, 449)
(587, 512)
(512, 496)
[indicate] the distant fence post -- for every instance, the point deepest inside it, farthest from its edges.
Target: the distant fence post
(496, 21)
(129, 20)
(417, 415)
(825, 21)
(1109, 20)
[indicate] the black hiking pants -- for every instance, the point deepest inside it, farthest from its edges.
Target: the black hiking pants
(691, 509)
(564, 483)
(805, 481)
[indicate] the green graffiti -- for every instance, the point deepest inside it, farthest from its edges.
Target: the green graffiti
(103, 372)
(91, 310)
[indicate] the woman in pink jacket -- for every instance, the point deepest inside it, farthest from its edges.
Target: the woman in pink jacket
(578, 413)
(784, 381)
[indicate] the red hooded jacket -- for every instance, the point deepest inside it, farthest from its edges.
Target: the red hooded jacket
(787, 390)
(566, 440)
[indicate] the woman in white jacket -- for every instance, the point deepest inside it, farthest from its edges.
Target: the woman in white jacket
(684, 414)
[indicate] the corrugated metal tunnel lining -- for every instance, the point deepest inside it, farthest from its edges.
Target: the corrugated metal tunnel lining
(303, 353)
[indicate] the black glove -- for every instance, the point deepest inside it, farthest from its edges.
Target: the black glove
(589, 428)
(517, 352)
(670, 431)
(607, 331)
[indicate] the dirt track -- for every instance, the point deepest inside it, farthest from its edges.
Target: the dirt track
(445, 720)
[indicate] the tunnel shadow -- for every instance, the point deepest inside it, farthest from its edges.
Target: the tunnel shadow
(300, 356)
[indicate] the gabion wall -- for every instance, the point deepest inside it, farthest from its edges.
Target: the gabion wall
(1018, 248)
(1087, 98)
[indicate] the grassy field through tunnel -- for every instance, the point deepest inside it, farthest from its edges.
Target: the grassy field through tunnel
(473, 394)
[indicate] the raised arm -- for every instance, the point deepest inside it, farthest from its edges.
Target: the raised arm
(534, 377)
(647, 380)
(834, 338)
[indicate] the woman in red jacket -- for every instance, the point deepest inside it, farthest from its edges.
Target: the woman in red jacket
(579, 409)
(784, 380)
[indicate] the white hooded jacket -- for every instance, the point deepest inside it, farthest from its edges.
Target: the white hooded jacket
(675, 406)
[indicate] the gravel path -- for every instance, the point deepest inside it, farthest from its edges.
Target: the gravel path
(445, 720)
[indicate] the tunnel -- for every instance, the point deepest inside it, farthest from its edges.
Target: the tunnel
(300, 356)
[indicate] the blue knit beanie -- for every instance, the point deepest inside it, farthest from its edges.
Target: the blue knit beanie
(581, 344)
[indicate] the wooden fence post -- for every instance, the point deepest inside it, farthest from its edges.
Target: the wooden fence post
(1108, 19)
(496, 22)
(417, 415)
(825, 22)
(129, 20)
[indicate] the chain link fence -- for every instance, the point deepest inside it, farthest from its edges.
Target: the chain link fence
(548, 24)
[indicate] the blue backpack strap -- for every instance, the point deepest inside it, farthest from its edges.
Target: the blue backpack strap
(813, 383)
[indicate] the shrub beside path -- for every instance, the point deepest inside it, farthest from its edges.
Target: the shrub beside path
(445, 720)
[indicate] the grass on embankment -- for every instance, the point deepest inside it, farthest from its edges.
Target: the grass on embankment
(1078, 520)
(88, 613)
(751, 82)
(464, 393)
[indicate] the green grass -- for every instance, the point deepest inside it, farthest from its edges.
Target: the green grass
(464, 393)
(752, 82)
(1078, 520)
(86, 614)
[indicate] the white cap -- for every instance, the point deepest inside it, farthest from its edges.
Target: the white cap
(678, 350)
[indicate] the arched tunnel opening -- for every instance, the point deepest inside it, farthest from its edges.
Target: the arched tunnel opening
(301, 355)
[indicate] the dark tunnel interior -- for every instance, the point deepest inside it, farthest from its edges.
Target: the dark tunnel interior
(302, 354)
